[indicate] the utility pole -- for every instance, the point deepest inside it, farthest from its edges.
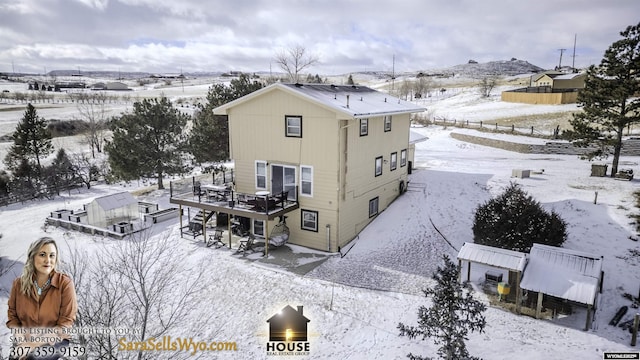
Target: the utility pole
(393, 72)
(561, 51)
(573, 64)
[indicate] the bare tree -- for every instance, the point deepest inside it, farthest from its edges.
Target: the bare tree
(421, 86)
(87, 169)
(486, 85)
(404, 91)
(91, 107)
(295, 59)
(141, 285)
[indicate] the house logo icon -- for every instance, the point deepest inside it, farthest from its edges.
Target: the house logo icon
(288, 332)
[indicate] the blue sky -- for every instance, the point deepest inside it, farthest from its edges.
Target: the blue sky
(347, 36)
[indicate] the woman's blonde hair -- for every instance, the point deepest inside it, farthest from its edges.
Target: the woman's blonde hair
(26, 279)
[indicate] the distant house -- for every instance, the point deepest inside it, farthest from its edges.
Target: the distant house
(559, 80)
(112, 209)
(342, 153)
(167, 76)
(551, 87)
(110, 86)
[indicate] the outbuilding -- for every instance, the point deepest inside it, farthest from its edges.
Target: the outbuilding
(566, 274)
(512, 261)
(112, 209)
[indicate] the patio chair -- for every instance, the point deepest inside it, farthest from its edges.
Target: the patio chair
(246, 245)
(215, 239)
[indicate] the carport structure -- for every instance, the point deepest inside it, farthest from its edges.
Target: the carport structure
(512, 261)
(566, 274)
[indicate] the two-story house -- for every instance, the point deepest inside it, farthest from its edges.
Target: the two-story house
(340, 151)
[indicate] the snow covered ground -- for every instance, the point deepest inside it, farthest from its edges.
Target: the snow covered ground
(355, 302)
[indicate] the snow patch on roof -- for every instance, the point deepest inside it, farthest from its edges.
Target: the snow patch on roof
(493, 256)
(115, 201)
(563, 273)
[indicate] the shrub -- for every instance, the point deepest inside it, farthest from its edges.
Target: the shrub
(515, 221)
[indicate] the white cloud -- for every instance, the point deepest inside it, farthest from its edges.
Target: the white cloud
(347, 36)
(96, 4)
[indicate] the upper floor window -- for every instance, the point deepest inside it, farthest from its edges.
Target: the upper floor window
(364, 127)
(379, 166)
(393, 164)
(403, 157)
(387, 123)
(261, 175)
(306, 180)
(293, 126)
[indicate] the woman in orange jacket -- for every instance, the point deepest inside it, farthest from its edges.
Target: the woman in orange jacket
(42, 303)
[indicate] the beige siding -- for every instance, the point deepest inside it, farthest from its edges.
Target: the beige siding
(257, 131)
(575, 83)
(343, 162)
(361, 183)
(545, 80)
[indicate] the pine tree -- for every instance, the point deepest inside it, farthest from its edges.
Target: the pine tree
(350, 80)
(60, 174)
(31, 141)
(454, 313)
(515, 221)
(148, 142)
(209, 139)
(609, 99)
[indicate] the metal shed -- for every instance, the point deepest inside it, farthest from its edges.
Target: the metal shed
(566, 274)
(510, 260)
(111, 209)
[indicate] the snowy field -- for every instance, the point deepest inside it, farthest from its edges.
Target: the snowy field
(355, 302)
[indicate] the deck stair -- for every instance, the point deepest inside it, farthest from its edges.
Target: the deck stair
(195, 224)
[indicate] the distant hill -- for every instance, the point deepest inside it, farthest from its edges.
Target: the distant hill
(500, 67)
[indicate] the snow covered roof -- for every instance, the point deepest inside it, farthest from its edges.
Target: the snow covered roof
(115, 201)
(563, 273)
(416, 137)
(493, 256)
(350, 100)
(568, 76)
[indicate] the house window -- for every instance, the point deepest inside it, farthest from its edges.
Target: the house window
(403, 157)
(261, 175)
(379, 166)
(387, 123)
(293, 125)
(309, 220)
(364, 127)
(306, 180)
(393, 164)
(258, 227)
(283, 178)
(373, 207)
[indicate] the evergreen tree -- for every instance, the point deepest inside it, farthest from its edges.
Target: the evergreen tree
(453, 314)
(350, 80)
(31, 141)
(610, 98)
(148, 142)
(515, 221)
(5, 180)
(209, 139)
(60, 174)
